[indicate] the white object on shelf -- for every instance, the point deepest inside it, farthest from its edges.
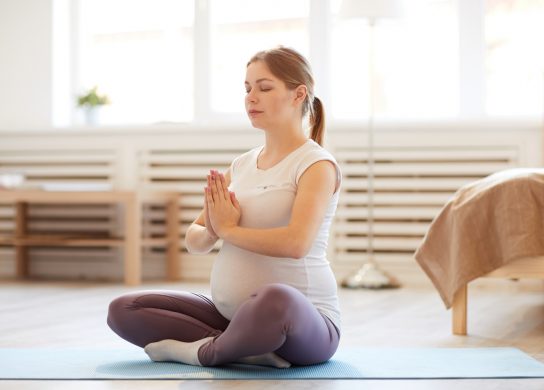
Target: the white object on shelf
(61, 186)
(11, 179)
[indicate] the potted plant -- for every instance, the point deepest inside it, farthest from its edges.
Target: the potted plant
(91, 102)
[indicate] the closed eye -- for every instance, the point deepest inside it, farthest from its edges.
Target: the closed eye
(262, 90)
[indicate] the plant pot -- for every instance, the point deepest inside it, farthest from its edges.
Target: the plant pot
(92, 115)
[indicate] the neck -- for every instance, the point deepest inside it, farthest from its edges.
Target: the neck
(281, 141)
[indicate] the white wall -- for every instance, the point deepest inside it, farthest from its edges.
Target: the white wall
(25, 63)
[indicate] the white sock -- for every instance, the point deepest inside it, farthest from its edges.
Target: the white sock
(266, 359)
(176, 351)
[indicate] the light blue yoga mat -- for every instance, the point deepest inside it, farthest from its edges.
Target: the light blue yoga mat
(352, 363)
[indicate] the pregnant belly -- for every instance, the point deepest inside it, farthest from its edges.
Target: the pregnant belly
(237, 274)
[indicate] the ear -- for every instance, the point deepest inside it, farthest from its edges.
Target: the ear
(300, 93)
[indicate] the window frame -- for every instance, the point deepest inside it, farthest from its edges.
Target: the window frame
(470, 19)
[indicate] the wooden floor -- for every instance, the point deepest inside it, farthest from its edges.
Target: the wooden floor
(503, 313)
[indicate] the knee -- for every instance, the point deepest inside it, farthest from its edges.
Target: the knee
(118, 310)
(277, 300)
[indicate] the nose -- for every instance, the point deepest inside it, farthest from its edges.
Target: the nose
(251, 96)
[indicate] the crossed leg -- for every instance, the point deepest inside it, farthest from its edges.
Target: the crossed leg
(188, 328)
(148, 316)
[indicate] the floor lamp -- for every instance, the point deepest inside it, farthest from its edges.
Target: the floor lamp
(370, 275)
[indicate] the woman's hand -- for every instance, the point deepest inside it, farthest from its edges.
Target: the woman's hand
(207, 222)
(222, 207)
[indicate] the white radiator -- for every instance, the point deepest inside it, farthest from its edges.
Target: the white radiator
(410, 187)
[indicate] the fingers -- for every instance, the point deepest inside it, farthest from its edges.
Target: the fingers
(218, 186)
(213, 191)
(221, 186)
(213, 188)
(234, 200)
(207, 219)
(208, 187)
(206, 200)
(209, 199)
(224, 185)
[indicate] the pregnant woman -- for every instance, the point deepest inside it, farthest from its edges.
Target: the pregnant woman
(273, 294)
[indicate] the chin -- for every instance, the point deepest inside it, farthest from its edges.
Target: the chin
(256, 124)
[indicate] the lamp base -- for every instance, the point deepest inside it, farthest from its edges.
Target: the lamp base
(369, 276)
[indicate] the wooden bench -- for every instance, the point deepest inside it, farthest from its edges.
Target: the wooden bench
(131, 241)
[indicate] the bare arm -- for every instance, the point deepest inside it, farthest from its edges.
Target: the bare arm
(200, 237)
(315, 188)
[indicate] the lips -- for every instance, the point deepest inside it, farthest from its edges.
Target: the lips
(253, 113)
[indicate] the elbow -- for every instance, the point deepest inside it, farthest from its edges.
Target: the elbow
(190, 248)
(193, 243)
(189, 241)
(299, 248)
(196, 250)
(298, 254)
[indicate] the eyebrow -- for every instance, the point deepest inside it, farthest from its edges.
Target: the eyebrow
(259, 80)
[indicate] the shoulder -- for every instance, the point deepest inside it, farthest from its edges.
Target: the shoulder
(312, 154)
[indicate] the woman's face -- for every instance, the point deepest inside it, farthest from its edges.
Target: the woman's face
(268, 101)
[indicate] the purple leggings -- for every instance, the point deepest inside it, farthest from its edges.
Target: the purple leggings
(276, 318)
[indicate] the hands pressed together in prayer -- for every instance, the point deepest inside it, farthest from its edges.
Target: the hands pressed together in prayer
(221, 206)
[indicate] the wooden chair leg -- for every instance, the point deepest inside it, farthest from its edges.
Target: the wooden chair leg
(173, 271)
(21, 251)
(133, 241)
(459, 312)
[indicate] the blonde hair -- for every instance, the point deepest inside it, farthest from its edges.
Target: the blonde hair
(293, 69)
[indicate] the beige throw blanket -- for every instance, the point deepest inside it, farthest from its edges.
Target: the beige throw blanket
(485, 225)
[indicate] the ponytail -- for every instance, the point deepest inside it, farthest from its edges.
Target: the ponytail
(317, 121)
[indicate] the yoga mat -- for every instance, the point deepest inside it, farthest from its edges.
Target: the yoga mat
(352, 363)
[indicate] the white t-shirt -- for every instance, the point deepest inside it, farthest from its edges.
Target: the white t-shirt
(266, 199)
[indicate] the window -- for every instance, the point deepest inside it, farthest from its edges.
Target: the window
(241, 28)
(139, 53)
(415, 57)
(514, 59)
(144, 59)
